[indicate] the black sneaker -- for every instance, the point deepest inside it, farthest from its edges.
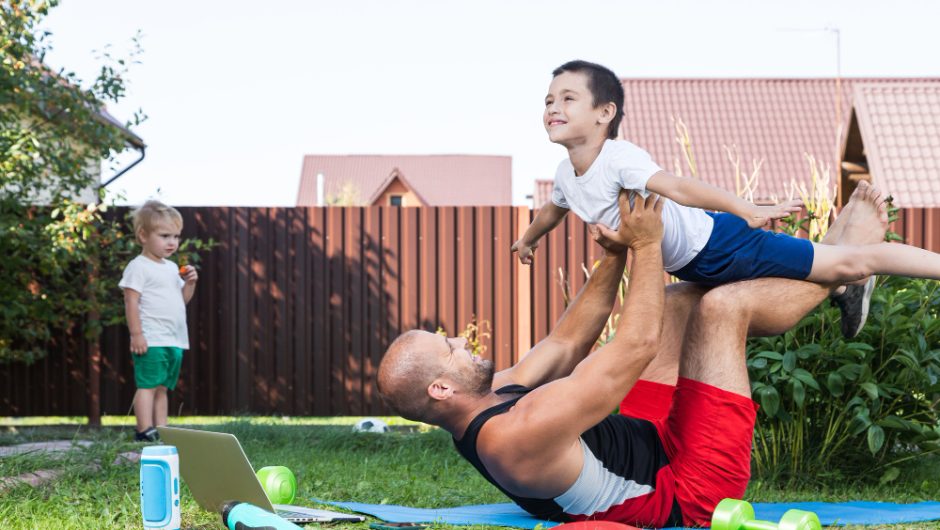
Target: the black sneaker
(149, 435)
(853, 304)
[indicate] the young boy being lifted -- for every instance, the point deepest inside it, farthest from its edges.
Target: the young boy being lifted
(583, 110)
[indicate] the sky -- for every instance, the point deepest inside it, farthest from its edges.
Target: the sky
(238, 92)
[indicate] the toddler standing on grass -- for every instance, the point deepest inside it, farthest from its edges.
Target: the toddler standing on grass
(583, 110)
(155, 296)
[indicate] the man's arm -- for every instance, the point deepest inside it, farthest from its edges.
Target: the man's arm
(697, 194)
(577, 330)
(549, 216)
(571, 405)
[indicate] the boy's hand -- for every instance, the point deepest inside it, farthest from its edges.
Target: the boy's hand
(189, 274)
(759, 216)
(525, 251)
(640, 226)
(612, 247)
(138, 344)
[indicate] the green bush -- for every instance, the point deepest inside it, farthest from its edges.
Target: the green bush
(832, 409)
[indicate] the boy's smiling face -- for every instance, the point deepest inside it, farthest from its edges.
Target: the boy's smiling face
(570, 116)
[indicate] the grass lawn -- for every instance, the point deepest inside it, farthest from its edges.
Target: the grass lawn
(415, 466)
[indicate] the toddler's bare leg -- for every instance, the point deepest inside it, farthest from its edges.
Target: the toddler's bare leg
(143, 408)
(160, 405)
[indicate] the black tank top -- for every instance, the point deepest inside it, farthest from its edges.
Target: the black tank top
(467, 446)
(629, 447)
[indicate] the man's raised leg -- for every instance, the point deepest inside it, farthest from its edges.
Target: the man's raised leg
(709, 429)
(681, 299)
(651, 397)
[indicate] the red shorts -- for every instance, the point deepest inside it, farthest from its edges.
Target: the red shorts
(707, 434)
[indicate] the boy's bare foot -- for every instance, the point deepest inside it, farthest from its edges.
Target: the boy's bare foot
(865, 224)
(867, 220)
(836, 228)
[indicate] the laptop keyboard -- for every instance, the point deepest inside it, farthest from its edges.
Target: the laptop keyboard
(298, 517)
(313, 515)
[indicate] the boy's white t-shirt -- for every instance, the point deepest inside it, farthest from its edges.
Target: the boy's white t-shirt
(162, 309)
(623, 165)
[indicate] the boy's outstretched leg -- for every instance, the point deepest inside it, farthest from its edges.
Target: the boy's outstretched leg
(847, 264)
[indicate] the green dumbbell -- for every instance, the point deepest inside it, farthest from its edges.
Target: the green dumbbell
(732, 514)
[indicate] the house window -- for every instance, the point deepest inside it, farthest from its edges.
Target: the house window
(394, 200)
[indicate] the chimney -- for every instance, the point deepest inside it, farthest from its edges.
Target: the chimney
(320, 200)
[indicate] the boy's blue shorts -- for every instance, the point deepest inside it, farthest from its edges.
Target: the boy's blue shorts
(736, 251)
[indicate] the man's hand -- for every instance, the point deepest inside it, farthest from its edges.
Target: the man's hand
(138, 344)
(640, 225)
(525, 251)
(758, 216)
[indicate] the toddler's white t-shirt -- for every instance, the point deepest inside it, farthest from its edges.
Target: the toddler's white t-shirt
(623, 165)
(162, 309)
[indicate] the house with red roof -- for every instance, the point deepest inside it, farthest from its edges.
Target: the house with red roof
(884, 130)
(405, 180)
(894, 140)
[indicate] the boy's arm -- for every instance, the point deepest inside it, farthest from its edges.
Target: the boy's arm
(191, 277)
(697, 194)
(132, 312)
(549, 217)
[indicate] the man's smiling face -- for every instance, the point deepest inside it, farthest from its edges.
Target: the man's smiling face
(471, 371)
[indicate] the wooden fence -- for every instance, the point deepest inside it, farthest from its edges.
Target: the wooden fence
(295, 306)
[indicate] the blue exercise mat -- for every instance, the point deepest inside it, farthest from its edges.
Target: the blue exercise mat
(508, 514)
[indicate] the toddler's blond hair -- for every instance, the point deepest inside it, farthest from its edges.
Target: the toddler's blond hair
(151, 213)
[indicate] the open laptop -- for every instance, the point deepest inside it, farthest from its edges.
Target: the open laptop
(215, 468)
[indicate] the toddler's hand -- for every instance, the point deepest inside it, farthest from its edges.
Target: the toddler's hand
(138, 344)
(761, 215)
(524, 250)
(189, 274)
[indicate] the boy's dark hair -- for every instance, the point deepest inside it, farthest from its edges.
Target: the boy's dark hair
(604, 87)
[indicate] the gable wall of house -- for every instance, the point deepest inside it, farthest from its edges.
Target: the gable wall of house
(397, 188)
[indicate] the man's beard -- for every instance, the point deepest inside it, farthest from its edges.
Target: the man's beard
(481, 380)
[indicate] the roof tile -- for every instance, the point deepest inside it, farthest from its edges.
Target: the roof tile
(903, 155)
(777, 120)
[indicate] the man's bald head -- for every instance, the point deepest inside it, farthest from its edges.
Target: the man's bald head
(404, 375)
(422, 372)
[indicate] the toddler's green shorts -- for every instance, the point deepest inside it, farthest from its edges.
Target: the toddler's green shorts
(160, 366)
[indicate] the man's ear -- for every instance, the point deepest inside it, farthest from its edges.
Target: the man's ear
(440, 390)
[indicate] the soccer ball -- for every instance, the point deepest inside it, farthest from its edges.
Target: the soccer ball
(370, 425)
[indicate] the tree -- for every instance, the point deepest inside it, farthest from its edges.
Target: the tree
(53, 134)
